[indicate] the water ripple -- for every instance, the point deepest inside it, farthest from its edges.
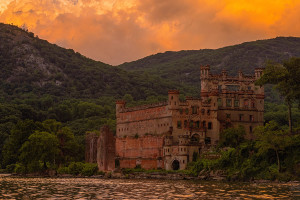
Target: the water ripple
(90, 188)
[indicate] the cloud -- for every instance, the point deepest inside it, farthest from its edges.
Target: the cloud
(115, 31)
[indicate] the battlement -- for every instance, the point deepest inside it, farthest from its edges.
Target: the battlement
(144, 107)
(192, 98)
(120, 102)
(173, 92)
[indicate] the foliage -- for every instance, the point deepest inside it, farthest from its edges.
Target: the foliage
(286, 79)
(63, 170)
(274, 154)
(41, 146)
(75, 168)
(20, 169)
(203, 164)
(232, 137)
(79, 168)
(271, 137)
(89, 169)
(10, 168)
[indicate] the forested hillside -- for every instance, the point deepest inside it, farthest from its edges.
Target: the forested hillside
(183, 66)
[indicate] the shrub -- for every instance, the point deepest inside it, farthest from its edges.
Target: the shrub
(76, 168)
(20, 169)
(63, 170)
(100, 173)
(10, 168)
(35, 166)
(89, 169)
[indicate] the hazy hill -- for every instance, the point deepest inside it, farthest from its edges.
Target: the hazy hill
(31, 65)
(183, 66)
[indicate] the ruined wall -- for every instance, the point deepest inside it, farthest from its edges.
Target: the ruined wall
(100, 149)
(106, 150)
(91, 139)
(145, 151)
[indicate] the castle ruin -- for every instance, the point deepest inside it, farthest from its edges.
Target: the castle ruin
(167, 134)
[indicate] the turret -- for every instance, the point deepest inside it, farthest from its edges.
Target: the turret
(120, 106)
(204, 71)
(240, 75)
(258, 73)
(224, 74)
(204, 75)
(173, 101)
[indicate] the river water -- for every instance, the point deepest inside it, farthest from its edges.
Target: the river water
(92, 188)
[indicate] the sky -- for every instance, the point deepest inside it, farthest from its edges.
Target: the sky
(118, 31)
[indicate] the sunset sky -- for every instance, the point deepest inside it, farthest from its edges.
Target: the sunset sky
(117, 31)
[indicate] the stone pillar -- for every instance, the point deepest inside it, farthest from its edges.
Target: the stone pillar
(91, 147)
(106, 150)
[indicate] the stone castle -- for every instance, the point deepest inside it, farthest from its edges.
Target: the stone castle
(169, 134)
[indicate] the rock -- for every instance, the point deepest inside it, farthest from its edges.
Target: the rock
(107, 175)
(117, 175)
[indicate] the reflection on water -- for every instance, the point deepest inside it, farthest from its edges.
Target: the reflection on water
(89, 188)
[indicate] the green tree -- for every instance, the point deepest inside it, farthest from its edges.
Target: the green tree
(67, 144)
(286, 79)
(41, 146)
(272, 137)
(18, 135)
(232, 137)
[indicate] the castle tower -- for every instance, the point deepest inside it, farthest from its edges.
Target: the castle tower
(173, 96)
(120, 106)
(224, 74)
(204, 75)
(258, 73)
(240, 75)
(260, 91)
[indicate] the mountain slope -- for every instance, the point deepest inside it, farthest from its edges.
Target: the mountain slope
(31, 65)
(183, 66)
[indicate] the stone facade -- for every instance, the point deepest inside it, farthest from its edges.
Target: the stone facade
(170, 134)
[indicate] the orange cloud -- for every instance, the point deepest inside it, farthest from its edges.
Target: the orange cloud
(115, 31)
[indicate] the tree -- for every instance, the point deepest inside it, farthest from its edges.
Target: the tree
(67, 144)
(41, 146)
(18, 135)
(286, 80)
(271, 137)
(232, 137)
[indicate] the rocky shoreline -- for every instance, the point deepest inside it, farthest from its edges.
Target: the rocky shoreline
(132, 175)
(204, 176)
